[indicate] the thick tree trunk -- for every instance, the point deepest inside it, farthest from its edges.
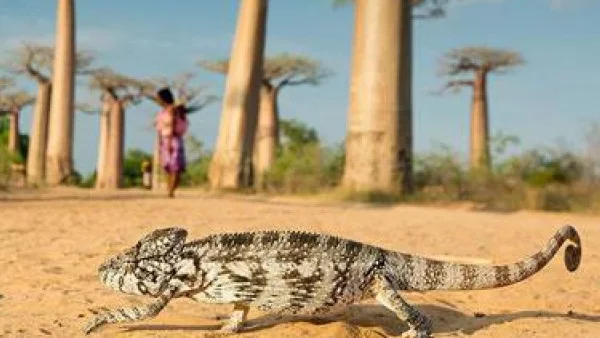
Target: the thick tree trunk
(379, 110)
(38, 136)
(59, 156)
(105, 116)
(405, 139)
(480, 142)
(231, 166)
(267, 133)
(158, 175)
(14, 146)
(115, 145)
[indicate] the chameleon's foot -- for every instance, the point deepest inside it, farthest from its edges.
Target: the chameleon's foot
(412, 333)
(231, 328)
(236, 321)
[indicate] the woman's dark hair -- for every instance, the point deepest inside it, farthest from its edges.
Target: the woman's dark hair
(165, 95)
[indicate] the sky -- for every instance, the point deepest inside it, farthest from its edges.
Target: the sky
(551, 99)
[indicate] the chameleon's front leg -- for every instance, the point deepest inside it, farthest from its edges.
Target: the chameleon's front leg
(236, 321)
(129, 314)
(420, 325)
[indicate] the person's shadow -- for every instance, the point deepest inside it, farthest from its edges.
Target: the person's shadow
(445, 320)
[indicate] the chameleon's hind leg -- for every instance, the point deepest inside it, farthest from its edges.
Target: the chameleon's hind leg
(236, 321)
(420, 325)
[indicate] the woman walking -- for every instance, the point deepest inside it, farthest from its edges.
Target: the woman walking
(171, 124)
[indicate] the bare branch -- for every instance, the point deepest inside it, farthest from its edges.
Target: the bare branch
(5, 83)
(15, 101)
(454, 86)
(36, 61)
(118, 86)
(473, 59)
(88, 108)
(219, 66)
(193, 97)
(427, 9)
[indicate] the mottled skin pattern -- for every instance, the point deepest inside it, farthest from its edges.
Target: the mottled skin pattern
(297, 273)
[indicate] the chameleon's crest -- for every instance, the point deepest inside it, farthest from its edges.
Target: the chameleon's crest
(160, 242)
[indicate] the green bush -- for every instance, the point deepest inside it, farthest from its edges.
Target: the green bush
(88, 181)
(198, 162)
(132, 167)
(302, 165)
(440, 174)
(546, 179)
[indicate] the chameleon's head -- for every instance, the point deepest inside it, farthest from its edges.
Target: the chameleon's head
(147, 267)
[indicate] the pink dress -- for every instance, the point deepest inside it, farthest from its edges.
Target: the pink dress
(172, 151)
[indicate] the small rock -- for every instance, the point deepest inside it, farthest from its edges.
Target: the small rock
(479, 314)
(46, 332)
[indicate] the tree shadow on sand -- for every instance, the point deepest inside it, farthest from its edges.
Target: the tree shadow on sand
(382, 321)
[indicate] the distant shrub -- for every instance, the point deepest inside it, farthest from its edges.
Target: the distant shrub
(302, 165)
(132, 167)
(546, 179)
(198, 162)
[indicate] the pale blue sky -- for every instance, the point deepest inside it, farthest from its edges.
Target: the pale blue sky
(553, 97)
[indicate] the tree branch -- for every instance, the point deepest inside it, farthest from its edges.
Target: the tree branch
(454, 86)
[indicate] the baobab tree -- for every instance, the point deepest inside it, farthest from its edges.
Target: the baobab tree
(379, 127)
(59, 154)
(231, 165)
(479, 61)
(12, 104)
(278, 72)
(35, 62)
(117, 93)
(193, 97)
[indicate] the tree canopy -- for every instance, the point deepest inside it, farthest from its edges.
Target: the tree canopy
(37, 61)
(15, 100)
(117, 85)
(281, 70)
(473, 59)
(427, 8)
(478, 58)
(193, 97)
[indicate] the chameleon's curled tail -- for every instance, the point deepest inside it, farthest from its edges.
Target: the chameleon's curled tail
(427, 274)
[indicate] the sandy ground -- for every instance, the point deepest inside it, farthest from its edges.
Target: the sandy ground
(52, 242)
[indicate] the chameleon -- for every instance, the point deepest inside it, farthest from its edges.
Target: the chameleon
(297, 273)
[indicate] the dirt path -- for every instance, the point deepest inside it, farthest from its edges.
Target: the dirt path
(51, 244)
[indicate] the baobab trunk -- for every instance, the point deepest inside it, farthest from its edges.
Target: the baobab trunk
(378, 108)
(114, 154)
(231, 166)
(158, 175)
(405, 139)
(14, 146)
(38, 136)
(59, 156)
(480, 147)
(103, 142)
(267, 133)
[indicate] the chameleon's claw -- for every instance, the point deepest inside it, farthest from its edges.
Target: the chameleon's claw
(412, 333)
(93, 324)
(231, 327)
